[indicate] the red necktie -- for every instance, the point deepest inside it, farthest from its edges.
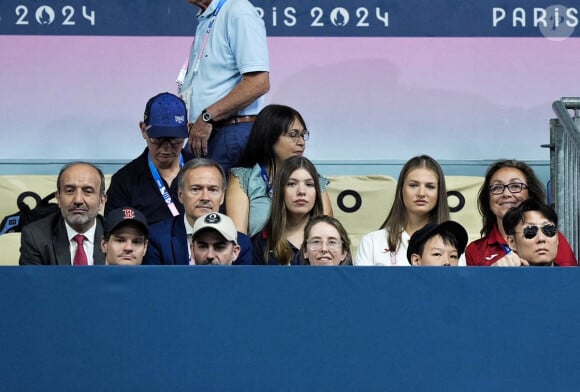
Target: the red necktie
(80, 256)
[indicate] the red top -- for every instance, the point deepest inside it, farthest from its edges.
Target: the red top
(487, 250)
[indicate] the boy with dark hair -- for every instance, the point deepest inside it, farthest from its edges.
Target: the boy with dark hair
(437, 244)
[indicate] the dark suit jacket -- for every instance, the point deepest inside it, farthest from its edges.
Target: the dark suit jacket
(168, 244)
(45, 242)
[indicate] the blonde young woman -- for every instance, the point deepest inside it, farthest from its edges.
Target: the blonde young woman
(421, 198)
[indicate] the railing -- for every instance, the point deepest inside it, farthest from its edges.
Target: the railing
(565, 168)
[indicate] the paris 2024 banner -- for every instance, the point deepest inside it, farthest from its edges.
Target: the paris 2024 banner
(374, 80)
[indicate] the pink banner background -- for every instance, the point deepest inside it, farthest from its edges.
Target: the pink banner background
(362, 98)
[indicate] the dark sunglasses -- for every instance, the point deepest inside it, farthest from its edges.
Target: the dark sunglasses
(531, 231)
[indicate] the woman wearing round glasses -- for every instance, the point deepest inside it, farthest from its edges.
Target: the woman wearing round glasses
(278, 133)
(326, 242)
(531, 231)
(507, 184)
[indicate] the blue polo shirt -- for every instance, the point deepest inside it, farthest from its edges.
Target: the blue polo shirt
(236, 45)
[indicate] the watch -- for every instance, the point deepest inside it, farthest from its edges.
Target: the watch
(206, 117)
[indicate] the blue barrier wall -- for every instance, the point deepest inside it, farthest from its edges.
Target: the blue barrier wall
(288, 329)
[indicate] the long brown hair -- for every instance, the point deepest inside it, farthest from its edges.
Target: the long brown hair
(397, 218)
(276, 225)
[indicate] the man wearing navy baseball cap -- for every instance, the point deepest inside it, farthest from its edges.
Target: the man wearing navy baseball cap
(165, 117)
(149, 183)
(125, 238)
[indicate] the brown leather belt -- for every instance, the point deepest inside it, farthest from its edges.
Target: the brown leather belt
(235, 120)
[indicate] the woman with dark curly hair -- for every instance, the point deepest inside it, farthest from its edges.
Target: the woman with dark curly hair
(507, 184)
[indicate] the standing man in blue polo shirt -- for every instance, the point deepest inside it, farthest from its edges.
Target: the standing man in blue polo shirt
(225, 78)
(149, 182)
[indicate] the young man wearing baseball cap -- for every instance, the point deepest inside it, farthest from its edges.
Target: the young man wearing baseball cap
(125, 239)
(437, 244)
(149, 183)
(214, 240)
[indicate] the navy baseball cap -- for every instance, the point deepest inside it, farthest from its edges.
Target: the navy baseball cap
(166, 116)
(125, 216)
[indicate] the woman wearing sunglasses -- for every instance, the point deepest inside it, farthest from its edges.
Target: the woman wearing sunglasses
(507, 184)
(531, 231)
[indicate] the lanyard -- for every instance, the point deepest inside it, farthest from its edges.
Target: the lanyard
(185, 66)
(206, 37)
(162, 189)
(266, 180)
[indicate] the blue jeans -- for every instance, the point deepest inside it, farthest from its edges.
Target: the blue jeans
(227, 143)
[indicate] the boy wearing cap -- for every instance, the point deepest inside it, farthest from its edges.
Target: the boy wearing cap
(214, 240)
(149, 183)
(125, 239)
(437, 244)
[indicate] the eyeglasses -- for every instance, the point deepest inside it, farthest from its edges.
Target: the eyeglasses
(549, 230)
(159, 141)
(331, 245)
(295, 135)
(514, 187)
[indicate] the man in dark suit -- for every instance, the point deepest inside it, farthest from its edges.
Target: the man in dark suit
(72, 236)
(201, 189)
